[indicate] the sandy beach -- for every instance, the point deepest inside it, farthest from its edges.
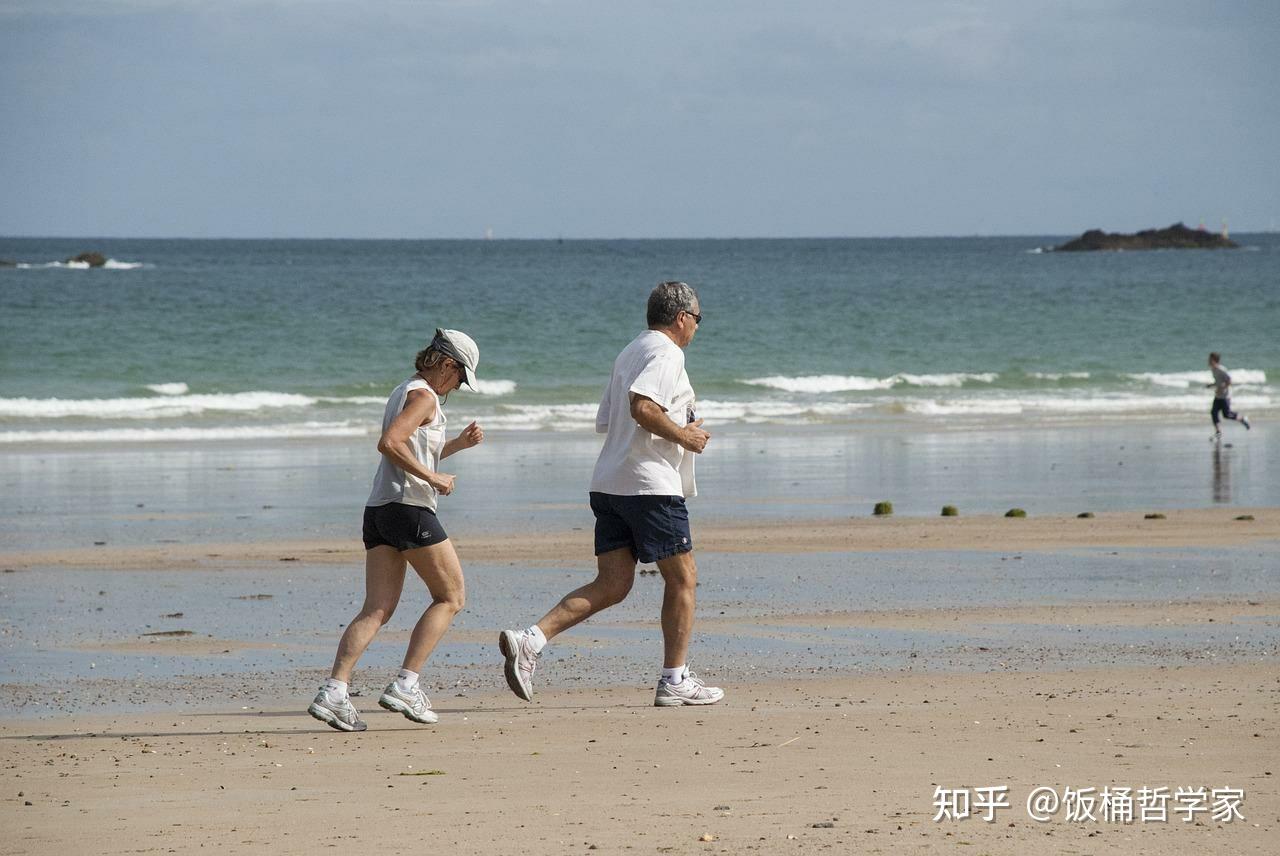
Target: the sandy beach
(841, 765)
(850, 701)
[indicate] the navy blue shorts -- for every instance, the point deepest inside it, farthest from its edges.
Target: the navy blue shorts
(653, 527)
(405, 527)
(1223, 406)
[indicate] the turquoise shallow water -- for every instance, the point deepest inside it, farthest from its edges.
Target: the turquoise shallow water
(206, 340)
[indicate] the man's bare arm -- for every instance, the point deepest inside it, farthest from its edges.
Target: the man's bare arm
(650, 416)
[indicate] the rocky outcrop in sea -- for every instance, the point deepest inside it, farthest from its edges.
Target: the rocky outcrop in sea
(1176, 237)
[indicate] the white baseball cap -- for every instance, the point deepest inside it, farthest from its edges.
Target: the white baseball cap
(460, 346)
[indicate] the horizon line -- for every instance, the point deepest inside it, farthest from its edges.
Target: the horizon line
(562, 238)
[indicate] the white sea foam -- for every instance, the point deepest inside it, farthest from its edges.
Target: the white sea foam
(1112, 405)
(818, 384)
(169, 388)
(150, 408)
(952, 379)
(351, 399)
(1059, 375)
(533, 416)
(496, 386)
(821, 383)
(779, 411)
(110, 264)
(567, 417)
(1182, 380)
(172, 400)
(188, 435)
(961, 407)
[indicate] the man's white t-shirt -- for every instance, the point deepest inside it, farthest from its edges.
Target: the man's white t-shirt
(634, 462)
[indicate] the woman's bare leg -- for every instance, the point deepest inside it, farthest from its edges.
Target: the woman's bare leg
(440, 569)
(383, 581)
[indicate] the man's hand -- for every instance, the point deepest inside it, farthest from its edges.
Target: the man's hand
(653, 419)
(693, 437)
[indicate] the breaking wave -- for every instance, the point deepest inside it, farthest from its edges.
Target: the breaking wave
(817, 384)
(191, 434)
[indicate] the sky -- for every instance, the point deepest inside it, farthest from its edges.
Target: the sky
(545, 119)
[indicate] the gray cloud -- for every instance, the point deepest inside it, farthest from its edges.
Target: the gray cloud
(540, 119)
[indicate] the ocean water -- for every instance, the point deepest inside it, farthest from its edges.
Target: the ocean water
(200, 341)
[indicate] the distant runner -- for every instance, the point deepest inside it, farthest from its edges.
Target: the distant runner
(1222, 396)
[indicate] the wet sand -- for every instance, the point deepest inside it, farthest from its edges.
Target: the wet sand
(535, 482)
(1213, 527)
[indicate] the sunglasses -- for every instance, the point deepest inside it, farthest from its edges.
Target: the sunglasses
(697, 319)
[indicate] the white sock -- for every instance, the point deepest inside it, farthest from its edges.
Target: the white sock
(676, 675)
(539, 638)
(406, 681)
(334, 690)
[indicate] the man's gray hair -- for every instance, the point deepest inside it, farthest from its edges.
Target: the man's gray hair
(668, 300)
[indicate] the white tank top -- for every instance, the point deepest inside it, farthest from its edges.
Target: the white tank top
(393, 484)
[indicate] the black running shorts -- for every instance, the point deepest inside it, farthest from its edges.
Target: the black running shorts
(404, 527)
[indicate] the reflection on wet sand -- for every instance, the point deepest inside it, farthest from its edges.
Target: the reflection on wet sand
(1221, 473)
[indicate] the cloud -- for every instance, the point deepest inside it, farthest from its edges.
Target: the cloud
(438, 118)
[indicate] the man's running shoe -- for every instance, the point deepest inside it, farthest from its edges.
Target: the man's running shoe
(414, 704)
(522, 660)
(689, 691)
(342, 715)
(1244, 420)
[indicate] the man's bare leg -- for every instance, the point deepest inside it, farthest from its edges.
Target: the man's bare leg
(678, 602)
(615, 572)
